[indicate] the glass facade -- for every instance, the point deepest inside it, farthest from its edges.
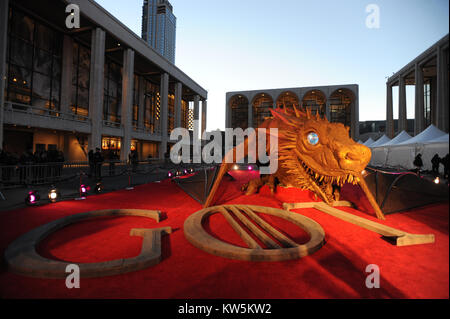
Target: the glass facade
(80, 79)
(239, 112)
(152, 104)
(340, 107)
(170, 113)
(261, 108)
(159, 27)
(184, 114)
(288, 100)
(33, 63)
(315, 100)
(427, 103)
(135, 115)
(112, 100)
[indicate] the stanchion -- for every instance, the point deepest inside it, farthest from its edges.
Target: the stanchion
(129, 188)
(82, 189)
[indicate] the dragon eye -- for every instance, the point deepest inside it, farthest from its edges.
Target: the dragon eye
(313, 138)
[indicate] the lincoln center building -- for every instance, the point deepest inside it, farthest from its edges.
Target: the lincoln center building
(429, 73)
(340, 103)
(99, 85)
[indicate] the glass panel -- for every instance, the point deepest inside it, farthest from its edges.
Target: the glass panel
(21, 53)
(42, 62)
(22, 26)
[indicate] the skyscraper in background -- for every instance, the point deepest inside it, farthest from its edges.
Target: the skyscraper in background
(159, 27)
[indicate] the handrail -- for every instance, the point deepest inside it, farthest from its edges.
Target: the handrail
(58, 114)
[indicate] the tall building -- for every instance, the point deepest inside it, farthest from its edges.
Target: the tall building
(159, 27)
(97, 86)
(429, 73)
(339, 103)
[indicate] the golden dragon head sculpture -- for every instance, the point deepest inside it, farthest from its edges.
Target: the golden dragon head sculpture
(313, 154)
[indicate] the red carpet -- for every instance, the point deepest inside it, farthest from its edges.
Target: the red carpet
(337, 270)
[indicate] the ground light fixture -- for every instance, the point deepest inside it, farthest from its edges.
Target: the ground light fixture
(437, 180)
(83, 192)
(170, 174)
(250, 168)
(32, 198)
(235, 167)
(98, 188)
(53, 194)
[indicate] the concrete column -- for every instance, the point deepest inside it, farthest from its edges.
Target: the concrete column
(419, 101)
(389, 112)
(127, 101)
(96, 87)
(178, 96)
(164, 92)
(442, 105)
(250, 114)
(66, 74)
(402, 123)
(141, 108)
(204, 114)
(328, 110)
(4, 13)
(354, 127)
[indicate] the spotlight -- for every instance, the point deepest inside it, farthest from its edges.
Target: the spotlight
(235, 167)
(53, 194)
(250, 168)
(170, 174)
(83, 190)
(98, 188)
(191, 170)
(185, 172)
(436, 180)
(32, 198)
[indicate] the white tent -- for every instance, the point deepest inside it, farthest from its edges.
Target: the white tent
(368, 142)
(401, 137)
(401, 155)
(382, 140)
(431, 133)
(443, 138)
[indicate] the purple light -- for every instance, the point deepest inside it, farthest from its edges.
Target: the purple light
(32, 198)
(185, 171)
(170, 174)
(83, 189)
(250, 168)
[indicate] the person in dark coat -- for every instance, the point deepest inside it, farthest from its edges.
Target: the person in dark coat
(98, 161)
(91, 163)
(435, 161)
(418, 162)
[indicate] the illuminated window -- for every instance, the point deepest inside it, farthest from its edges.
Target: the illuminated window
(239, 112)
(315, 100)
(33, 62)
(261, 108)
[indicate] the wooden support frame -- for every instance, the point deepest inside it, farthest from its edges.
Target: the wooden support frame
(396, 236)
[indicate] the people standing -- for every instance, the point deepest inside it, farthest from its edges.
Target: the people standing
(98, 161)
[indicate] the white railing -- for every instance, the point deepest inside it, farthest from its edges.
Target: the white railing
(15, 107)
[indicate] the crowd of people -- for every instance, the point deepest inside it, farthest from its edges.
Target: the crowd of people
(28, 157)
(28, 165)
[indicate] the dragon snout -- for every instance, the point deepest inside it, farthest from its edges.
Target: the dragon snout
(354, 158)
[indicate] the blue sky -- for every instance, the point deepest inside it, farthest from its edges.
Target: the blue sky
(234, 45)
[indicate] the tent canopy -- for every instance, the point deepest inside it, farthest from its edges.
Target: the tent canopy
(369, 142)
(431, 133)
(382, 140)
(441, 139)
(401, 137)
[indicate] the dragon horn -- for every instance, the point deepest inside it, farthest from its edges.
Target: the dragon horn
(370, 197)
(296, 111)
